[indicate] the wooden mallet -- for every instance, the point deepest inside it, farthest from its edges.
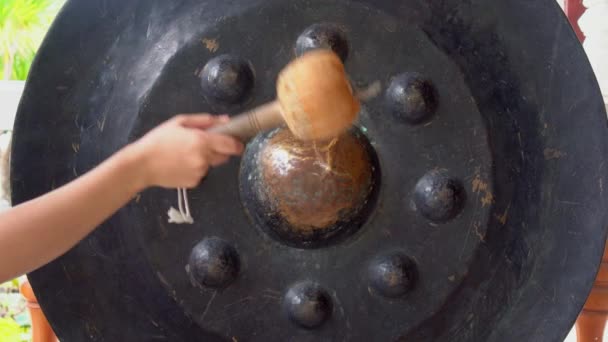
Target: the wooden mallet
(314, 98)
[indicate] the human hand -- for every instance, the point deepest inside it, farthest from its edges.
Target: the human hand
(178, 153)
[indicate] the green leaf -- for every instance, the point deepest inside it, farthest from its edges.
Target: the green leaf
(23, 24)
(10, 331)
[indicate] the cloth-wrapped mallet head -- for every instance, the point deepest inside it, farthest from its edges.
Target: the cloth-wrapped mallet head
(315, 96)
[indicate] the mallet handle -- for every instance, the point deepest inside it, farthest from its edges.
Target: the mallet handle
(246, 125)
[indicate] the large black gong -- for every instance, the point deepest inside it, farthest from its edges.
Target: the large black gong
(467, 204)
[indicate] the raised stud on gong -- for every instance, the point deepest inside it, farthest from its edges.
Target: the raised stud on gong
(392, 274)
(308, 304)
(438, 196)
(213, 263)
(323, 36)
(411, 98)
(227, 79)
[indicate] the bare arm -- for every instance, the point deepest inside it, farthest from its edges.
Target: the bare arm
(40, 230)
(176, 154)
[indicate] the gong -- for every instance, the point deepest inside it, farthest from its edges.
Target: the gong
(467, 203)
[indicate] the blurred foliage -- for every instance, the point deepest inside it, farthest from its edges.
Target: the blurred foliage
(15, 322)
(10, 331)
(23, 24)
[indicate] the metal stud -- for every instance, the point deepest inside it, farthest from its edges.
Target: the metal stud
(227, 79)
(439, 197)
(323, 36)
(392, 274)
(213, 263)
(411, 98)
(308, 304)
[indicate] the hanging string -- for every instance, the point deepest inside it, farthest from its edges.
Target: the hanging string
(182, 214)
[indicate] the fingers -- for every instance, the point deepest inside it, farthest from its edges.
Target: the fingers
(217, 159)
(215, 148)
(224, 144)
(200, 121)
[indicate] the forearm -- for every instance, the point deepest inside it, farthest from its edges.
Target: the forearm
(35, 232)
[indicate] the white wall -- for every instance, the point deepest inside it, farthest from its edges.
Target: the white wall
(10, 93)
(595, 26)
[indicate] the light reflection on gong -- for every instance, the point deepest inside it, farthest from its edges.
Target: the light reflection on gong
(308, 194)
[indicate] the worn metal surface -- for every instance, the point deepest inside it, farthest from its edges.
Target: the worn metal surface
(309, 194)
(489, 219)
